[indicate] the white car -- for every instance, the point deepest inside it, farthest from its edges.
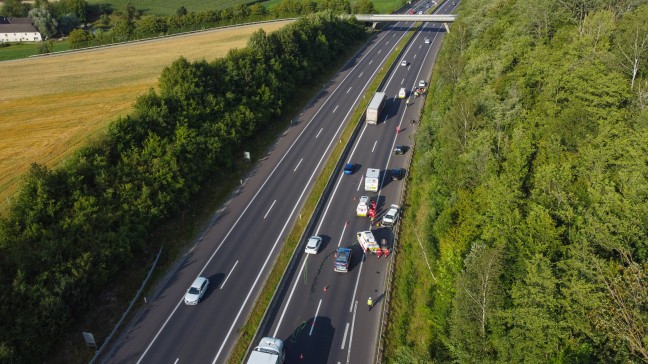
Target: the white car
(402, 93)
(313, 245)
(427, 40)
(422, 83)
(196, 291)
(404, 63)
(390, 218)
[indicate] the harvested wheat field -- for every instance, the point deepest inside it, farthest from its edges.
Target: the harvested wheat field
(50, 106)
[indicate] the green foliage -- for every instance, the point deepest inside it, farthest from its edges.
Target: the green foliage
(14, 9)
(78, 38)
(535, 146)
(71, 229)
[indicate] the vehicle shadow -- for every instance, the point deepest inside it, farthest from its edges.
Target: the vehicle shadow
(310, 343)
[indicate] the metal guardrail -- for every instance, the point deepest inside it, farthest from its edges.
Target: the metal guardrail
(130, 307)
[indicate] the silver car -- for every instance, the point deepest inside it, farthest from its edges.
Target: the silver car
(390, 218)
(313, 245)
(196, 291)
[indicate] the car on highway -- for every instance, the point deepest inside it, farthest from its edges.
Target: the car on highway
(427, 41)
(390, 218)
(349, 168)
(422, 83)
(269, 351)
(313, 245)
(402, 93)
(196, 291)
(420, 13)
(400, 149)
(342, 259)
(404, 63)
(397, 173)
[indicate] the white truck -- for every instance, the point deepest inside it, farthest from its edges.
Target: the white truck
(269, 351)
(367, 241)
(371, 179)
(375, 107)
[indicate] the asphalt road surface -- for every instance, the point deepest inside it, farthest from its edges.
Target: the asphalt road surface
(237, 251)
(324, 316)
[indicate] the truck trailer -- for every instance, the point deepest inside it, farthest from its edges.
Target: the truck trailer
(375, 107)
(371, 179)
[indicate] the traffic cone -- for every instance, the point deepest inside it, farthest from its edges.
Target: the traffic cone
(379, 253)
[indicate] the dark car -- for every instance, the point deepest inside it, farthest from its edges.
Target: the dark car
(342, 260)
(397, 173)
(400, 149)
(349, 168)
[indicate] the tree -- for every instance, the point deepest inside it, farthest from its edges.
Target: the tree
(151, 26)
(625, 316)
(46, 47)
(364, 7)
(631, 40)
(478, 297)
(44, 21)
(14, 9)
(78, 8)
(122, 30)
(67, 23)
(79, 38)
(182, 11)
(536, 334)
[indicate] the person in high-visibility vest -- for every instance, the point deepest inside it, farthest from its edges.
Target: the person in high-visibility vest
(370, 303)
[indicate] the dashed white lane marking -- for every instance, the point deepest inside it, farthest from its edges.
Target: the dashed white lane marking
(228, 275)
(266, 215)
(318, 133)
(360, 184)
(295, 170)
(361, 73)
(374, 146)
(336, 106)
(351, 337)
(346, 331)
(315, 317)
(341, 235)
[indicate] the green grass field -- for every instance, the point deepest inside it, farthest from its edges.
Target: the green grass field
(169, 7)
(24, 50)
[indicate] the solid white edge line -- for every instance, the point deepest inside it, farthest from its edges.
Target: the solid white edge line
(310, 333)
(351, 335)
(228, 275)
(266, 215)
(289, 297)
(355, 289)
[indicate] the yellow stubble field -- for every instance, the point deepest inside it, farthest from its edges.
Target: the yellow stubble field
(50, 106)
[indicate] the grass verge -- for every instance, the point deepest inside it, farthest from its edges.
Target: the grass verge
(274, 278)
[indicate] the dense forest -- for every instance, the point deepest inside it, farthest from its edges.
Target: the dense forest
(531, 198)
(73, 228)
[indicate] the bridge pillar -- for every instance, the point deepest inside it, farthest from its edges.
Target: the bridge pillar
(447, 28)
(374, 25)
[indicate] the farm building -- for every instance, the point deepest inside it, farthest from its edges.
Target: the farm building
(18, 30)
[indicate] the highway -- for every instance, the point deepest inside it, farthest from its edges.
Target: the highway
(323, 315)
(238, 249)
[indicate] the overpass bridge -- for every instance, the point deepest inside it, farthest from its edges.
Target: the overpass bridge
(435, 18)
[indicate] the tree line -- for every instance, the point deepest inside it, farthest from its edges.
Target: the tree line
(72, 18)
(531, 170)
(72, 228)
